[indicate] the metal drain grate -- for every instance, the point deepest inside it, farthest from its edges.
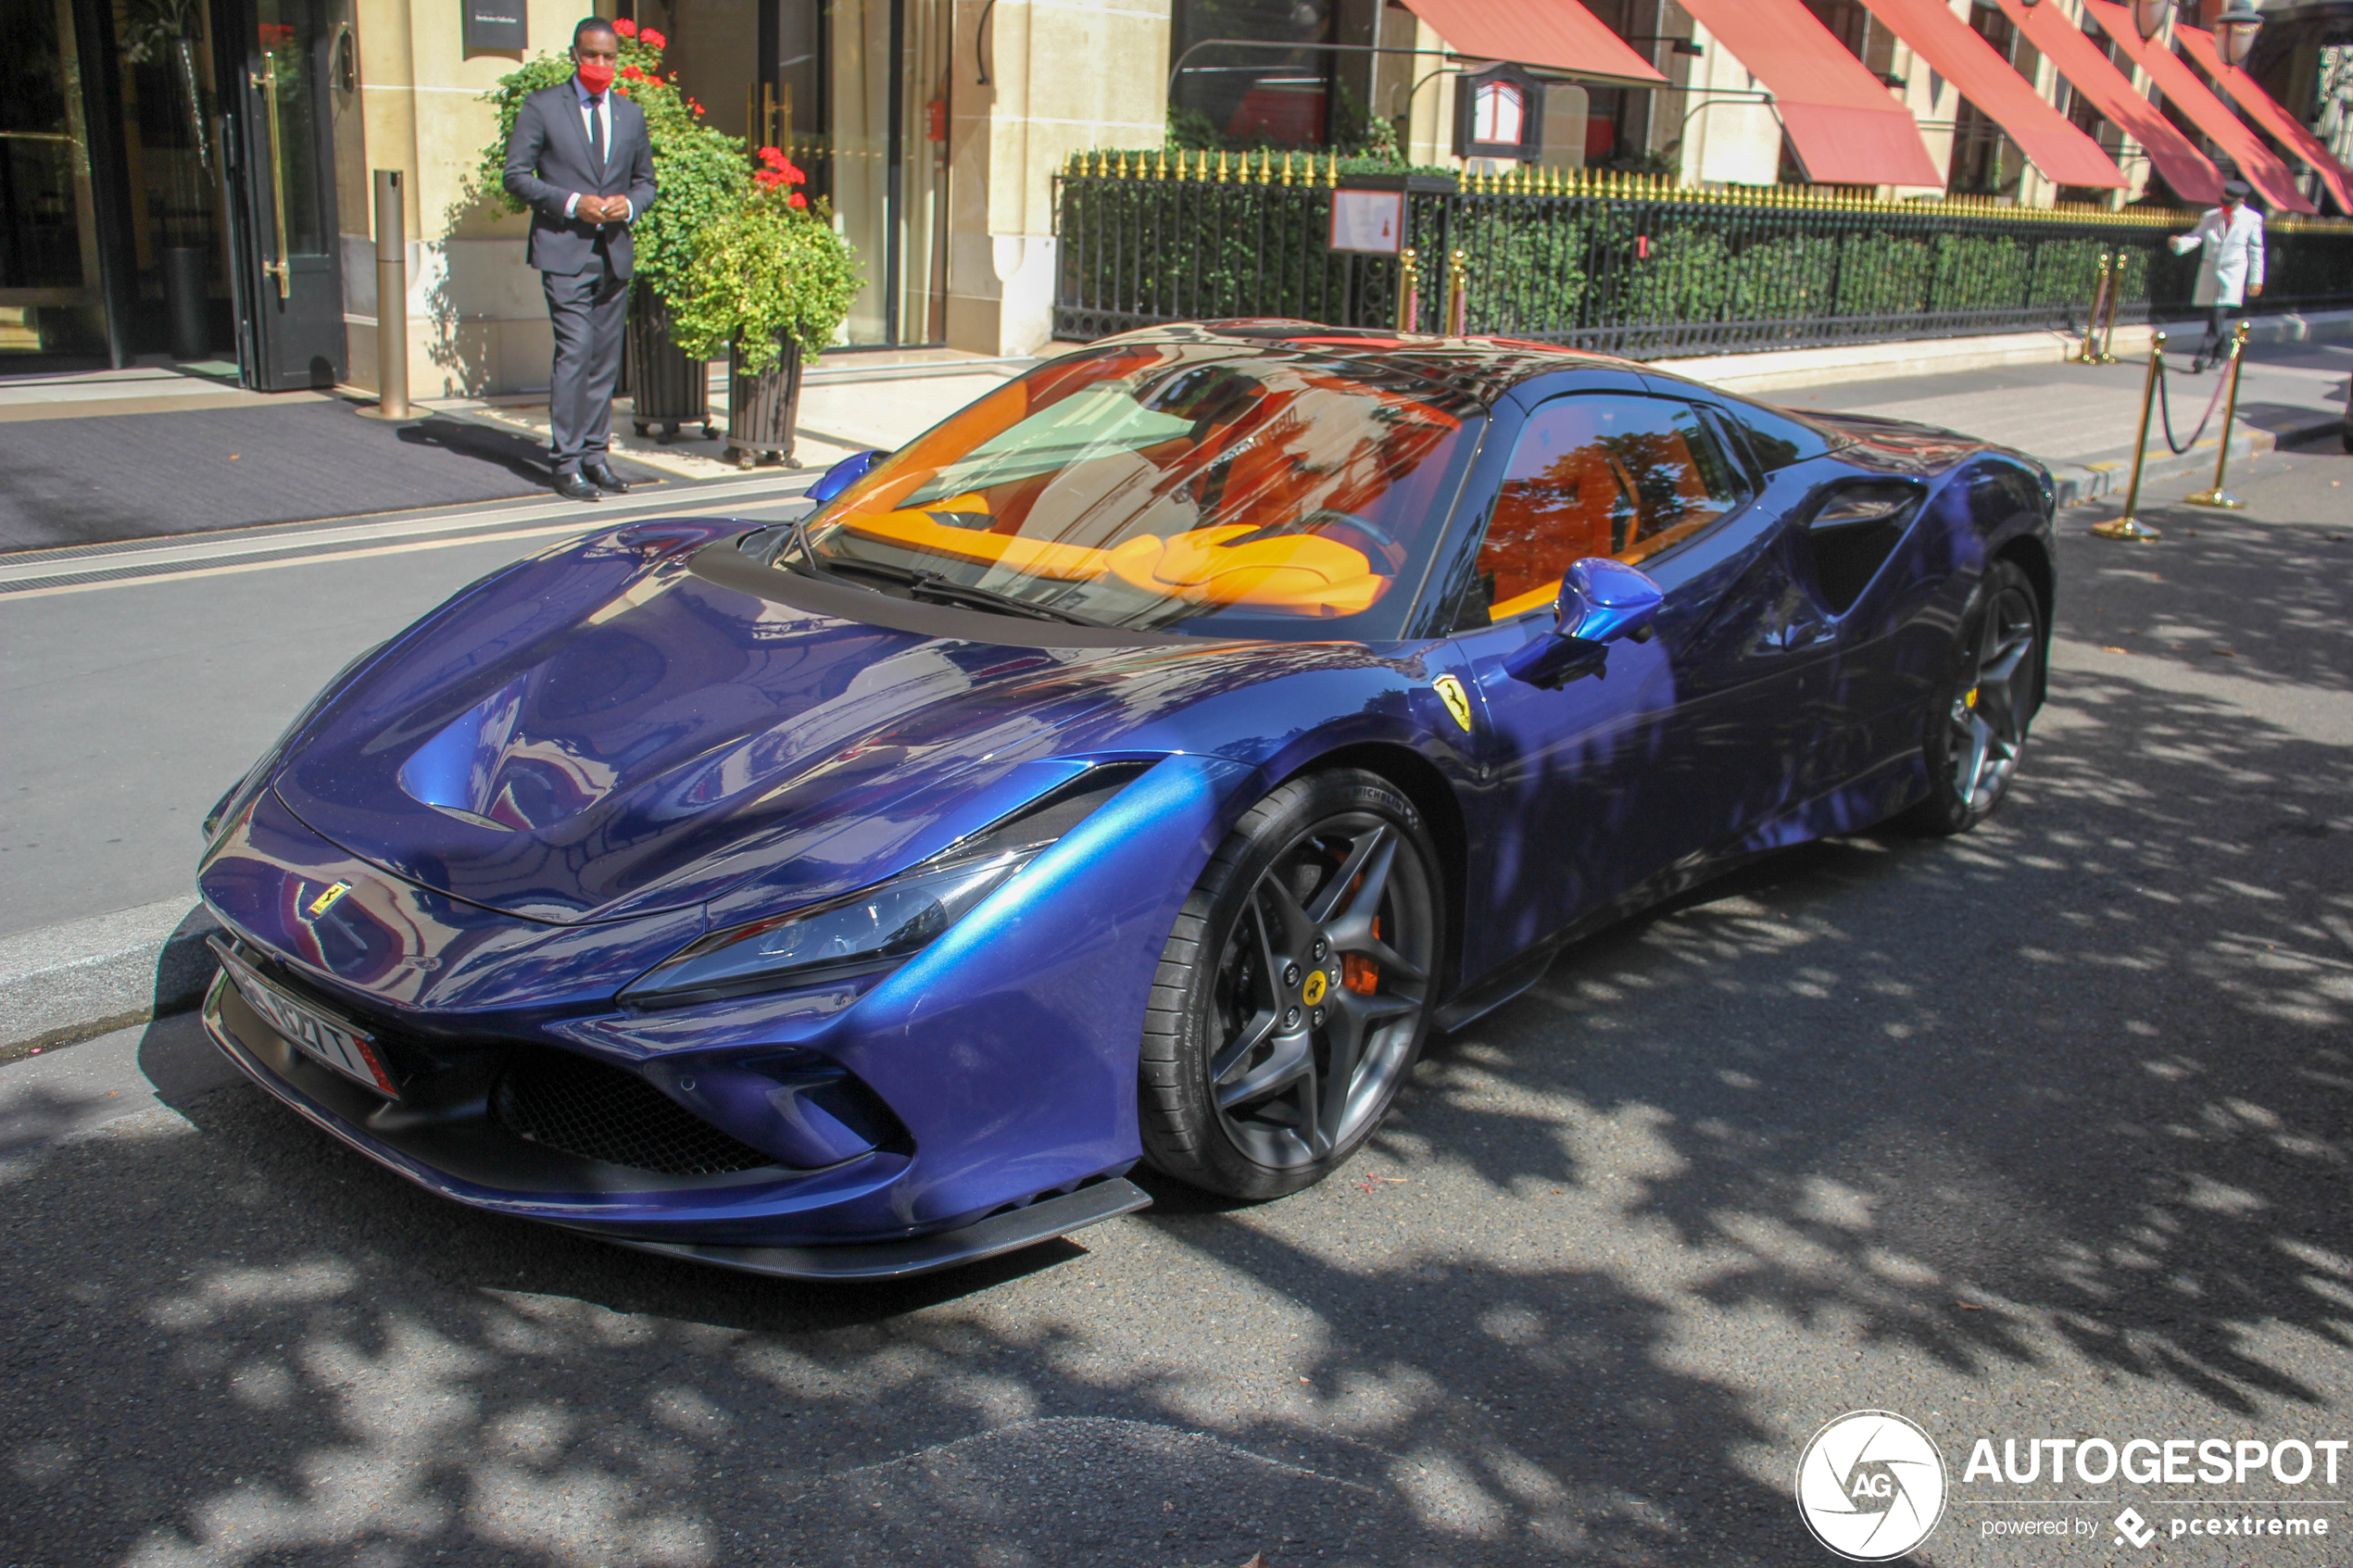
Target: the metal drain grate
(602, 1112)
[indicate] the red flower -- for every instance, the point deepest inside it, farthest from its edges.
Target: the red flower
(694, 105)
(631, 73)
(797, 199)
(773, 157)
(651, 39)
(793, 174)
(767, 179)
(626, 28)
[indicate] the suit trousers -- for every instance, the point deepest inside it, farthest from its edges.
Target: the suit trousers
(588, 311)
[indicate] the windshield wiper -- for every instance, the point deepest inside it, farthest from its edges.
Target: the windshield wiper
(932, 587)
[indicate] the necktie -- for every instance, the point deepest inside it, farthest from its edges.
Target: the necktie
(597, 129)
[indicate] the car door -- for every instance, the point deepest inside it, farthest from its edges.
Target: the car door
(1683, 745)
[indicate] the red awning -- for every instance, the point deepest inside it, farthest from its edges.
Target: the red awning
(1954, 50)
(2178, 83)
(2086, 65)
(2267, 112)
(1558, 35)
(1846, 127)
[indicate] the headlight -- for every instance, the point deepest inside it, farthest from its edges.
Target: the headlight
(882, 926)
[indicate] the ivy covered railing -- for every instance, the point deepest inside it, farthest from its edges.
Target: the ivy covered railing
(1628, 264)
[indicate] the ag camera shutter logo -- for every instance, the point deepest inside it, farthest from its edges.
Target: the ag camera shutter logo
(1871, 1485)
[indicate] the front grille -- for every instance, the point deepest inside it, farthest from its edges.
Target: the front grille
(602, 1112)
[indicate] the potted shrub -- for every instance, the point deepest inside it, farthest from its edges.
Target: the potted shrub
(701, 175)
(771, 283)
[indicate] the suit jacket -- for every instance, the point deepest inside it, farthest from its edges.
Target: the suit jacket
(549, 160)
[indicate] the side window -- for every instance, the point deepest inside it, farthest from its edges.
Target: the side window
(1775, 439)
(1599, 474)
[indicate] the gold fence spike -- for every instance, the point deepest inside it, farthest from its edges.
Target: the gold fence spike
(1221, 166)
(1160, 164)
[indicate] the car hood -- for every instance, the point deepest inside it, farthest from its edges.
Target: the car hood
(603, 732)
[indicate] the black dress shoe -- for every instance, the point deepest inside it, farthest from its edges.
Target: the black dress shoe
(572, 487)
(603, 478)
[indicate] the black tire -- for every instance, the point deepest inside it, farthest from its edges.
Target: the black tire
(1314, 937)
(1977, 723)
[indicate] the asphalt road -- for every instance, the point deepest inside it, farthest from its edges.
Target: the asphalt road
(2037, 1134)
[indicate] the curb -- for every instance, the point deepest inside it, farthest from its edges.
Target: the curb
(2078, 484)
(71, 981)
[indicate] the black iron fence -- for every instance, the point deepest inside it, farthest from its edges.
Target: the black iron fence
(1626, 264)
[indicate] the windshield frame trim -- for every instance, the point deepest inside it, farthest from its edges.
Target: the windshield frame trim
(723, 562)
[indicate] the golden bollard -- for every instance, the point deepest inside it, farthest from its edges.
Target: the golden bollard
(1409, 291)
(2127, 526)
(2115, 293)
(2090, 353)
(2218, 497)
(1457, 295)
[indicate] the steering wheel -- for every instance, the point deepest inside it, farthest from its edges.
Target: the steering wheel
(1370, 538)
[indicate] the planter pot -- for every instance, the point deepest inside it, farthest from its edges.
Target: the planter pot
(762, 410)
(183, 301)
(666, 387)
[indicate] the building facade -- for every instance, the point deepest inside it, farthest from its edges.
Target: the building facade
(192, 177)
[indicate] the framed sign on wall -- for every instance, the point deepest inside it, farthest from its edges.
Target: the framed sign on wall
(493, 27)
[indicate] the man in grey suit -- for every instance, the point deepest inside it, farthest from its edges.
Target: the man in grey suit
(580, 157)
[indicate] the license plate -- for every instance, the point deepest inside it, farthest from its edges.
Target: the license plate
(333, 1046)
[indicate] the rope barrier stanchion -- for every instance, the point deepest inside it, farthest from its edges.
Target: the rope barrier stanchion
(2218, 498)
(1409, 291)
(2115, 293)
(2127, 526)
(2090, 353)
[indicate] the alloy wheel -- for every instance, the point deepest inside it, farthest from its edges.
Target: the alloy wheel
(1319, 991)
(1990, 713)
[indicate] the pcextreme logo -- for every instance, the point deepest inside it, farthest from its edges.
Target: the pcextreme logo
(1871, 1485)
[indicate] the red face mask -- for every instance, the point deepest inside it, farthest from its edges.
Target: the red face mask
(595, 75)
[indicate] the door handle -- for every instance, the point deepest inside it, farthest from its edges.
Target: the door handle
(266, 81)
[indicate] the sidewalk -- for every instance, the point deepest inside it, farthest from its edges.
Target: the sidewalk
(2080, 420)
(163, 451)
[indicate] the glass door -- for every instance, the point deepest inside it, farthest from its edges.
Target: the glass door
(856, 92)
(859, 91)
(50, 299)
(290, 277)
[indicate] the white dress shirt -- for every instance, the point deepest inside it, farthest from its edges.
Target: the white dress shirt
(591, 107)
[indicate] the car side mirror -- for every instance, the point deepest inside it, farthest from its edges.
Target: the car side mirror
(842, 475)
(1602, 601)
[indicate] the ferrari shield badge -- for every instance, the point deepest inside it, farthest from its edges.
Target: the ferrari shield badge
(1450, 691)
(328, 899)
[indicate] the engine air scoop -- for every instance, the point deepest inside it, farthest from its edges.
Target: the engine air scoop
(480, 769)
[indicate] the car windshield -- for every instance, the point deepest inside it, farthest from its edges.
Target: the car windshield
(1168, 487)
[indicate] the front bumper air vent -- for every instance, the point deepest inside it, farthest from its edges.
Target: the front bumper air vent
(599, 1111)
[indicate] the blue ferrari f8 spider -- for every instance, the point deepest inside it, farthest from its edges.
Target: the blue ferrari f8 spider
(1140, 765)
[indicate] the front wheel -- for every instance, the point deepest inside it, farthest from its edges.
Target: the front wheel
(1295, 991)
(1977, 727)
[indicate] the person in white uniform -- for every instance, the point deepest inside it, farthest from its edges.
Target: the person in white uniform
(2231, 272)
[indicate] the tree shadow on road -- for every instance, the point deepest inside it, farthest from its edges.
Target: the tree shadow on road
(2067, 1097)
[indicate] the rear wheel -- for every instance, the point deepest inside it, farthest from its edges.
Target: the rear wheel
(1977, 727)
(1295, 991)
